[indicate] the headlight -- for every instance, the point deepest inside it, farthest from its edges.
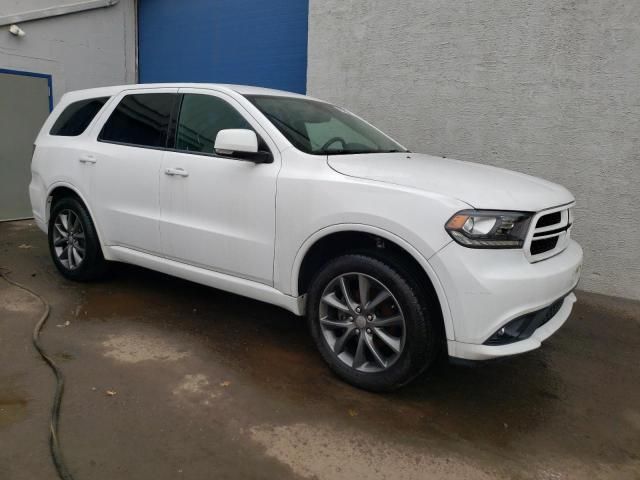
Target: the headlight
(489, 228)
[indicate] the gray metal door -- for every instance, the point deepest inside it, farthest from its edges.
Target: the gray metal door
(24, 106)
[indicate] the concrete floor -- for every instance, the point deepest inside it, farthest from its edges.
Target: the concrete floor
(212, 385)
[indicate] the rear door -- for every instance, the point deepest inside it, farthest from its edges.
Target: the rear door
(219, 213)
(126, 167)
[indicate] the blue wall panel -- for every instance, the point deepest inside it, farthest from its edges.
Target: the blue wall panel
(249, 42)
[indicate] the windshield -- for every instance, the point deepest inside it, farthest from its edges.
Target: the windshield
(320, 128)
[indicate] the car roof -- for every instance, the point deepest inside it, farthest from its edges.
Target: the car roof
(240, 89)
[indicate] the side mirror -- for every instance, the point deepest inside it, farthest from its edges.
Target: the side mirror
(242, 144)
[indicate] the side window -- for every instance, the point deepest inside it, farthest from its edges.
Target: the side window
(201, 118)
(140, 119)
(77, 117)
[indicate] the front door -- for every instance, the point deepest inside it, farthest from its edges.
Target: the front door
(216, 212)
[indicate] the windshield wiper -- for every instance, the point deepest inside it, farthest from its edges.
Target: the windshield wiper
(347, 152)
(356, 152)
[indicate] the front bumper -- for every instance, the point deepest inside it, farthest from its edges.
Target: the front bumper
(486, 289)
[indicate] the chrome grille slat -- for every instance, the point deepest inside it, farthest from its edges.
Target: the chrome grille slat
(549, 234)
(550, 228)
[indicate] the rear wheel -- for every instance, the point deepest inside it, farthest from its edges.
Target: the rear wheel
(369, 324)
(73, 241)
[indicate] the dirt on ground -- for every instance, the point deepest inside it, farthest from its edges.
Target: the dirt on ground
(167, 379)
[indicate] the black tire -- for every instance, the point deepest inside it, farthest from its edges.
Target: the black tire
(422, 332)
(93, 265)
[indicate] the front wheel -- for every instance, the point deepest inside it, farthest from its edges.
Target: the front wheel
(369, 324)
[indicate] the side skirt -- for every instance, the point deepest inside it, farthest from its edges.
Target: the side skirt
(228, 283)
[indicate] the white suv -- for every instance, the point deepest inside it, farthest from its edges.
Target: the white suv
(392, 255)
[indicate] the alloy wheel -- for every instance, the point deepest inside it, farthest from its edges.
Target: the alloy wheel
(69, 242)
(362, 322)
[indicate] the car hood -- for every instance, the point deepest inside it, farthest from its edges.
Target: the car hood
(481, 186)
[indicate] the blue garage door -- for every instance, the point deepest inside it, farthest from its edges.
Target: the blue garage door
(253, 42)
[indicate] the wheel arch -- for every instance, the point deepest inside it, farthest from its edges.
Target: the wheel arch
(62, 190)
(333, 241)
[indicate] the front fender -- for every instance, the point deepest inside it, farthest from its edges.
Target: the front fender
(405, 245)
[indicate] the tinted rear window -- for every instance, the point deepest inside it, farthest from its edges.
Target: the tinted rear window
(77, 116)
(140, 119)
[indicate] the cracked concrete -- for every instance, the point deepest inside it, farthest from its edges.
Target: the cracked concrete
(140, 347)
(327, 453)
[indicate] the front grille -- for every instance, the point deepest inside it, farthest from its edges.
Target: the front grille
(550, 235)
(541, 246)
(550, 219)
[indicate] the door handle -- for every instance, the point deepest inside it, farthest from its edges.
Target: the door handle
(181, 172)
(87, 159)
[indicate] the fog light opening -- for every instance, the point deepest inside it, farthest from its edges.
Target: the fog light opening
(523, 327)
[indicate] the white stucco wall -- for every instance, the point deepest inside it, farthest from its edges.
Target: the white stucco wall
(80, 50)
(546, 87)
